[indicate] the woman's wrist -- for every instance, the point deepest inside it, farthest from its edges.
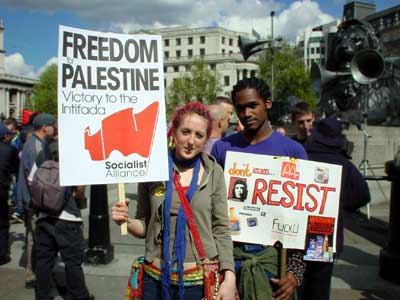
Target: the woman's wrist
(229, 275)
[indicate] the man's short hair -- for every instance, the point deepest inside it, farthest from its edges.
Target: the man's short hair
(216, 111)
(252, 83)
(222, 99)
(10, 121)
(301, 108)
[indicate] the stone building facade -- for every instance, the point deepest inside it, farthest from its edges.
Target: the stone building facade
(14, 90)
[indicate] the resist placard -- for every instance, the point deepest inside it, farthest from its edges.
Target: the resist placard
(271, 198)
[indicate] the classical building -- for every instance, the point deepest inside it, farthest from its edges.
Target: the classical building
(14, 90)
(217, 46)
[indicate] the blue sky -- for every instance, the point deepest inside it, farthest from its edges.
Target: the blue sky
(31, 27)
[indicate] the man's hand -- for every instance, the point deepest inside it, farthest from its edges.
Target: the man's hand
(287, 285)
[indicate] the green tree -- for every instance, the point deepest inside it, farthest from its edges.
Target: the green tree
(45, 99)
(199, 84)
(290, 76)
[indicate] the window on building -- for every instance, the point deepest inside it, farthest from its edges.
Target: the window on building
(230, 52)
(165, 82)
(202, 51)
(166, 42)
(226, 81)
(165, 69)
(187, 68)
(318, 50)
(230, 42)
(178, 41)
(166, 54)
(176, 68)
(212, 67)
(190, 52)
(322, 50)
(223, 51)
(202, 39)
(253, 73)
(178, 53)
(312, 50)
(244, 73)
(190, 40)
(223, 40)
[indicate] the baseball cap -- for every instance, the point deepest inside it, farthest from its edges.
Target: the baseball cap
(4, 130)
(44, 119)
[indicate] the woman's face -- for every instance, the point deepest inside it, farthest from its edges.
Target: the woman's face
(190, 136)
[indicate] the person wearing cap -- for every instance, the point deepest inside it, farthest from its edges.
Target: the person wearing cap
(9, 163)
(44, 128)
(326, 144)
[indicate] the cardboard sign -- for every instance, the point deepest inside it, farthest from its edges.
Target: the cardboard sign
(111, 108)
(271, 198)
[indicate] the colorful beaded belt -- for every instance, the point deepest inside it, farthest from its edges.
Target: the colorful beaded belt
(192, 276)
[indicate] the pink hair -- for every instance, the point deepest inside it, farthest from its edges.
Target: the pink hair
(190, 108)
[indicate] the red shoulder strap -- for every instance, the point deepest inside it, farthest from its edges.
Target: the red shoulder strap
(189, 216)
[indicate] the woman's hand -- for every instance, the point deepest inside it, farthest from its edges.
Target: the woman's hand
(120, 212)
(227, 289)
(287, 285)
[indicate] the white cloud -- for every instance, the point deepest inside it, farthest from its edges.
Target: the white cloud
(50, 62)
(241, 15)
(15, 64)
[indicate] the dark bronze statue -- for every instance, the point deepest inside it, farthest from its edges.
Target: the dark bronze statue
(356, 83)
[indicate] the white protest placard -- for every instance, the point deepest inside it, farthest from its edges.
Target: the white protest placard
(111, 108)
(273, 198)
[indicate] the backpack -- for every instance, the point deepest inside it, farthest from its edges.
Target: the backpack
(47, 194)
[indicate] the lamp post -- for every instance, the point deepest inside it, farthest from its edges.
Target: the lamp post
(272, 46)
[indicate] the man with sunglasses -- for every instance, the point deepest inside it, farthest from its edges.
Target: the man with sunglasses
(302, 118)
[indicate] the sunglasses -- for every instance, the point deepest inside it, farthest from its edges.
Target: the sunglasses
(304, 121)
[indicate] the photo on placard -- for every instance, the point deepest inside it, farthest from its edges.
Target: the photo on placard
(238, 190)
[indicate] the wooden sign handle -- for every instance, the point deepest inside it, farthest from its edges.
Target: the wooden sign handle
(283, 259)
(121, 199)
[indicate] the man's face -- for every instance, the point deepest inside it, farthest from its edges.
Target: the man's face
(239, 189)
(228, 108)
(49, 131)
(303, 124)
(251, 109)
(11, 127)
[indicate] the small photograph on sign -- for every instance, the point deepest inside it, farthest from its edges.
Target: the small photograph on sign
(321, 175)
(234, 221)
(319, 239)
(252, 222)
(238, 189)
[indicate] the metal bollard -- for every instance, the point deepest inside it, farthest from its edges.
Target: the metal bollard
(100, 250)
(389, 258)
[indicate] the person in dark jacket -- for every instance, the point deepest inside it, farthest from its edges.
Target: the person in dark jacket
(327, 145)
(9, 164)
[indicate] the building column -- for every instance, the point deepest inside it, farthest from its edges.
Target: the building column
(3, 101)
(23, 101)
(7, 103)
(18, 107)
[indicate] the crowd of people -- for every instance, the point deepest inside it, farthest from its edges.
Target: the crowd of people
(200, 137)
